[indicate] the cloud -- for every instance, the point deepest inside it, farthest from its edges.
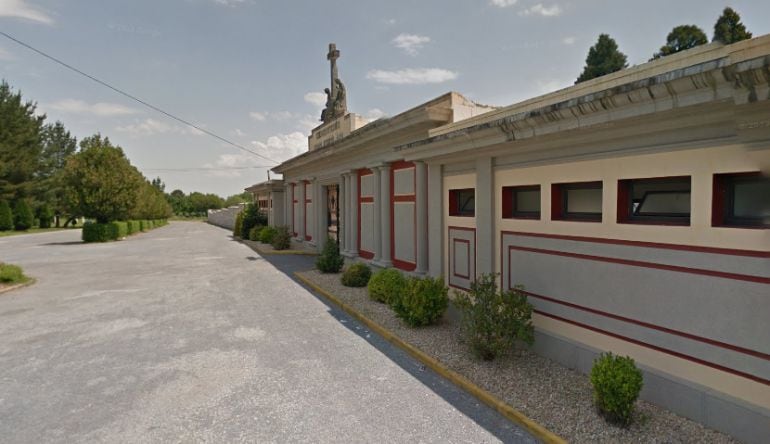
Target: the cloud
(132, 29)
(390, 21)
(229, 2)
(151, 127)
(316, 98)
(308, 122)
(101, 109)
(411, 76)
(21, 9)
(539, 9)
(503, 3)
(239, 133)
(411, 43)
(261, 116)
(568, 40)
(374, 114)
(282, 146)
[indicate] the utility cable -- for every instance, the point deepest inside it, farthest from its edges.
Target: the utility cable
(136, 99)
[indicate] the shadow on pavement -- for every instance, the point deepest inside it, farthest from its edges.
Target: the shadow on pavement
(485, 416)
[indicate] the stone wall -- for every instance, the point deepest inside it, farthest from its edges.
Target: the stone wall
(225, 217)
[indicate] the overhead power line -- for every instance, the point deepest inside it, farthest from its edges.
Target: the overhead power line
(136, 99)
(192, 169)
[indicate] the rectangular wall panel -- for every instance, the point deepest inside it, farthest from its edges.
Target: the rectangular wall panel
(403, 182)
(367, 221)
(404, 231)
(461, 247)
(367, 185)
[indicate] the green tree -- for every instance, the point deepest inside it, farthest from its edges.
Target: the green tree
(603, 58)
(200, 203)
(729, 29)
(45, 215)
(6, 216)
(23, 219)
(20, 144)
(58, 146)
(151, 203)
(158, 184)
(236, 199)
(681, 38)
(100, 181)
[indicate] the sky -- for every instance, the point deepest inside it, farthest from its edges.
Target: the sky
(253, 71)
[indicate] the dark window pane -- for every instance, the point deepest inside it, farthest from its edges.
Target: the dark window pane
(656, 203)
(527, 201)
(466, 202)
(751, 199)
(584, 200)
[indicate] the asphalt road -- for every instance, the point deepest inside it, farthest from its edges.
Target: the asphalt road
(183, 335)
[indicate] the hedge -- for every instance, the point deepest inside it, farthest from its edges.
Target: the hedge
(95, 232)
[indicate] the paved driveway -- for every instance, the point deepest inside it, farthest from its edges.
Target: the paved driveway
(183, 335)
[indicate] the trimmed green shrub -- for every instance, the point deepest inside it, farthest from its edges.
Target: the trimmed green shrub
(252, 217)
(266, 234)
(254, 233)
(121, 228)
(357, 275)
(11, 274)
(386, 285)
(23, 219)
(45, 216)
(422, 303)
(493, 320)
(134, 226)
(94, 232)
(6, 216)
(238, 227)
(617, 383)
(330, 260)
(281, 238)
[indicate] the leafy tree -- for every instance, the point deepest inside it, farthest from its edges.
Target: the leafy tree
(729, 29)
(236, 199)
(6, 216)
(58, 146)
(603, 58)
(45, 215)
(151, 203)
(158, 184)
(682, 38)
(20, 144)
(23, 219)
(200, 203)
(100, 181)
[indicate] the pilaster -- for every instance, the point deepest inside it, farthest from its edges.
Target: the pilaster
(421, 216)
(485, 216)
(385, 248)
(435, 220)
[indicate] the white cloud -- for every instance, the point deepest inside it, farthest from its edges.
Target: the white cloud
(21, 9)
(151, 127)
(282, 146)
(412, 76)
(374, 114)
(282, 115)
(411, 43)
(239, 133)
(316, 98)
(229, 2)
(308, 122)
(390, 21)
(539, 9)
(259, 117)
(101, 109)
(568, 40)
(503, 3)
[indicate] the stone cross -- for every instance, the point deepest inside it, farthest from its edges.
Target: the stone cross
(332, 57)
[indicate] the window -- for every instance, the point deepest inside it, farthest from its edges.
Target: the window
(580, 201)
(521, 202)
(462, 202)
(664, 201)
(741, 200)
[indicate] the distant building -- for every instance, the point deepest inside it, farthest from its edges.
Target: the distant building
(632, 207)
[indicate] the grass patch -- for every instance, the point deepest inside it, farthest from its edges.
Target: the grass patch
(12, 274)
(34, 231)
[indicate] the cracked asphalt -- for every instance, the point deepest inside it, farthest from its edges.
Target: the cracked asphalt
(184, 335)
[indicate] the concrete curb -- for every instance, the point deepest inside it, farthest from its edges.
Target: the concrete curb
(17, 286)
(461, 381)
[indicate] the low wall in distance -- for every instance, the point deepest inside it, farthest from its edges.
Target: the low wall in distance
(225, 217)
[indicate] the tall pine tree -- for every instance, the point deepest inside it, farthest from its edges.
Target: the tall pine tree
(682, 38)
(603, 58)
(729, 29)
(20, 145)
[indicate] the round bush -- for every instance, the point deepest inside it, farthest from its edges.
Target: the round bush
(6, 216)
(238, 228)
(357, 275)
(22, 215)
(281, 238)
(386, 285)
(266, 235)
(422, 303)
(617, 383)
(254, 233)
(45, 215)
(330, 260)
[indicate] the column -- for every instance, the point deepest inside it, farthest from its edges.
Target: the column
(385, 253)
(485, 215)
(320, 208)
(301, 210)
(287, 205)
(349, 228)
(342, 227)
(354, 213)
(435, 220)
(421, 215)
(378, 223)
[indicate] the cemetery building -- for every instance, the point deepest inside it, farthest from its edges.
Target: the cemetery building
(633, 209)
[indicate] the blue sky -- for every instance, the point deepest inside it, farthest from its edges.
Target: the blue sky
(254, 71)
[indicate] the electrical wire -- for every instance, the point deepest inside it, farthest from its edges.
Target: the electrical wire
(136, 99)
(194, 169)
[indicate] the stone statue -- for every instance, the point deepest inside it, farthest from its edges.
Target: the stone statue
(336, 103)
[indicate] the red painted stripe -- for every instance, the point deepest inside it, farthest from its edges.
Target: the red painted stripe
(451, 256)
(660, 349)
(403, 198)
(454, 254)
(366, 254)
(708, 341)
(366, 199)
(679, 247)
(676, 268)
(404, 265)
(401, 165)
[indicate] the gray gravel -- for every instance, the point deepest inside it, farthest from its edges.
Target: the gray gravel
(558, 398)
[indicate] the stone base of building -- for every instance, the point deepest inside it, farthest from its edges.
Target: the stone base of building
(748, 423)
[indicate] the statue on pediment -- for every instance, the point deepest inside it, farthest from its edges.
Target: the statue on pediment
(336, 102)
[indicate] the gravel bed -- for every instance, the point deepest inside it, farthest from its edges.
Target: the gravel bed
(558, 398)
